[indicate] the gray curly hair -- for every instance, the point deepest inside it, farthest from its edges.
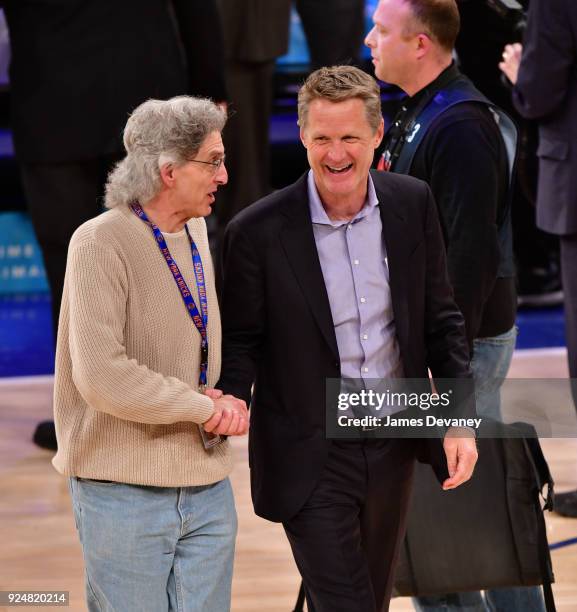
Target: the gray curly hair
(159, 132)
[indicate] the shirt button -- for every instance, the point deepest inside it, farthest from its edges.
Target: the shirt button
(365, 337)
(356, 262)
(363, 300)
(365, 369)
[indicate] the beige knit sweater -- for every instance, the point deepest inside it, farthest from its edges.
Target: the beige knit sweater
(128, 356)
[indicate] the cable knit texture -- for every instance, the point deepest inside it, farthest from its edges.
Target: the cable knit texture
(126, 404)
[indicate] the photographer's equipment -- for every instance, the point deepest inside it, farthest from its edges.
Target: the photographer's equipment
(512, 12)
(489, 533)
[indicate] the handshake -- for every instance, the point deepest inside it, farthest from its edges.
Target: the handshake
(230, 417)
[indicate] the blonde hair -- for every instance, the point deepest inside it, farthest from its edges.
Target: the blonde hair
(339, 83)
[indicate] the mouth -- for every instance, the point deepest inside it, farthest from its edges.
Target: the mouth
(339, 169)
(211, 196)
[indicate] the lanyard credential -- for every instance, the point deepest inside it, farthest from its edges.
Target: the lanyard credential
(200, 319)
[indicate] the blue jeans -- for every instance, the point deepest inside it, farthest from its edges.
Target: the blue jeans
(490, 364)
(152, 549)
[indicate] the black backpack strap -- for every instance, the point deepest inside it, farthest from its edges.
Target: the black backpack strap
(545, 560)
(542, 472)
(543, 477)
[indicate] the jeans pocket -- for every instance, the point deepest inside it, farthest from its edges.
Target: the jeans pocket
(98, 483)
(75, 504)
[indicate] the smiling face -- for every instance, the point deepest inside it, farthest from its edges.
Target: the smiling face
(195, 184)
(340, 146)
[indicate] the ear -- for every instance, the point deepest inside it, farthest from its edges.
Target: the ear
(303, 137)
(379, 134)
(424, 45)
(167, 175)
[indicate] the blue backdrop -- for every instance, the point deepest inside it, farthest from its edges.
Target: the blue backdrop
(298, 51)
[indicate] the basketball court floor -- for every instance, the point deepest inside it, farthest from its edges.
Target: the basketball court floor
(39, 547)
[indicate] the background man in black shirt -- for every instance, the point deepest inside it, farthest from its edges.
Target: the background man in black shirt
(447, 135)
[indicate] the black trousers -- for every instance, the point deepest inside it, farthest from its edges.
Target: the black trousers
(246, 137)
(569, 277)
(60, 197)
(346, 538)
(333, 36)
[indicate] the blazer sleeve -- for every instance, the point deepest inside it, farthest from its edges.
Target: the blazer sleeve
(548, 60)
(243, 313)
(446, 343)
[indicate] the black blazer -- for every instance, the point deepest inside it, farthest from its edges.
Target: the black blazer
(79, 67)
(278, 329)
(255, 31)
(546, 90)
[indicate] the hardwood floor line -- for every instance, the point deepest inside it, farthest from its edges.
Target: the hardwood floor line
(39, 547)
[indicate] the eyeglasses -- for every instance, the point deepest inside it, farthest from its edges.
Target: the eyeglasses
(216, 164)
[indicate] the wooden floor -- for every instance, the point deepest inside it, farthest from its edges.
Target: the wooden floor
(39, 548)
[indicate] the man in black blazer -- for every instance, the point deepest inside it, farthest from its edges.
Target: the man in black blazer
(256, 33)
(342, 273)
(544, 74)
(333, 36)
(78, 69)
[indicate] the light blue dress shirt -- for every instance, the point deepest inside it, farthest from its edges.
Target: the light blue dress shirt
(353, 259)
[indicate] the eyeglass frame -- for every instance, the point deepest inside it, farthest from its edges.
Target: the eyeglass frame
(216, 164)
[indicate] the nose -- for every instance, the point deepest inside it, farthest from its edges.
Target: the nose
(336, 152)
(369, 38)
(221, 176)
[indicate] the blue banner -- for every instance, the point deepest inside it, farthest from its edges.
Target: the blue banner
(21, 265)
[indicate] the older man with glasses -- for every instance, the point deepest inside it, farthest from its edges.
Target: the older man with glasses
(140, 429)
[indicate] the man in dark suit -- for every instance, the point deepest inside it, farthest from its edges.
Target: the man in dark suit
(89, 65)
(544, 74)
(78, 69)
(446, 134)
(256, 33)
(341, 274)
(335, 36)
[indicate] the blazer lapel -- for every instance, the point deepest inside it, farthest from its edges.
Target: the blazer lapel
(297, 240)
(395, 234)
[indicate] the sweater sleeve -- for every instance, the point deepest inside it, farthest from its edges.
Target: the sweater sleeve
(107, 379)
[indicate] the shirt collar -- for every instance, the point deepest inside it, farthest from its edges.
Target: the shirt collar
(448, 74)
(319, 214)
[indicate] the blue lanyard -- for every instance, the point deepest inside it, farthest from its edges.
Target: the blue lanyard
(200, 320)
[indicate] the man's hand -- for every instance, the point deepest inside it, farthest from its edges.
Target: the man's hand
(230, 416)
(214, 394)
(511, 61)
(461, 451)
